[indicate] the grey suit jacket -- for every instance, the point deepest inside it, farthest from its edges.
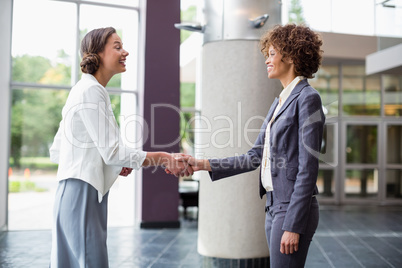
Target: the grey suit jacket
(295, 137)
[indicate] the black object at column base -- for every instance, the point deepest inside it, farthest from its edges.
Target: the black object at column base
(159, 224)
(212, 262)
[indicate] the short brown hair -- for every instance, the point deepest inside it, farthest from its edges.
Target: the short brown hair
(91, 45)
(298, 43)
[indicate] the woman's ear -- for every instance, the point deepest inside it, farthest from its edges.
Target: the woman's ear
(101, 54)
(287, 60)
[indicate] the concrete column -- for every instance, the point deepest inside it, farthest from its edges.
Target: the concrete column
(236, 96)
(5, 95)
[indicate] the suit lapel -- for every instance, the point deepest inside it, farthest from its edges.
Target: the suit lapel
(271, 110)
(293, 95)
(266, 121)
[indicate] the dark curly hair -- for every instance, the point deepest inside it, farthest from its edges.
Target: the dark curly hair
(298, 43)
(93, 43)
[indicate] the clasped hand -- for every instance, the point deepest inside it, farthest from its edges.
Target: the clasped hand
(177, 164)
(189, 163)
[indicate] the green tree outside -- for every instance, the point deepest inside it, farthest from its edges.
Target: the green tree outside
(187, 90)
(188, 15)
(35, 114)
(296, 12)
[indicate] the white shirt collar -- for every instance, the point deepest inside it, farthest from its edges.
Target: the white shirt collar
(287, 90)
(88, 76)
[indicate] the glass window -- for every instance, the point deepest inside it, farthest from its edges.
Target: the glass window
(187, 117)
(32, 172)
(131, 3)
(34, 122)
(121, 198)
(361, 144)
(44, 52)
(361, 94)
(359, 12)
(361, 183)
(187, 94)
(328, 147)
(393, 95)
(42, 49)
(187, 126)
(388, 20)
(394, 144)
(126, 24)
(326, 182)
(394, 183)
(320, 21)
(368, 17)
(326, 82)
(125, 108)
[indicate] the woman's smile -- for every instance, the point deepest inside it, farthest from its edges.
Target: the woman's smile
(269, 68)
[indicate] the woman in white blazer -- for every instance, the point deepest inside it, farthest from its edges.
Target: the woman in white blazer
(91, 155)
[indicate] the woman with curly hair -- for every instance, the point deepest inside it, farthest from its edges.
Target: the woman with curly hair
(287, 147)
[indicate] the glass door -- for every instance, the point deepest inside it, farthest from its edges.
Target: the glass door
(392, 85)
(327, 174)
(393, 162)
(360, 162)
(360, 170)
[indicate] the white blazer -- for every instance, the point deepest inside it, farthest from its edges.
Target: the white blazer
(88, 145)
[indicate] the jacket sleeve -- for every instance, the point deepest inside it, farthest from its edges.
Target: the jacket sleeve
(230, 166)
(100, 123)
(310, 123)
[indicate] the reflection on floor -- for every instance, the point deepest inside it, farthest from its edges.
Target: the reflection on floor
(347, 237)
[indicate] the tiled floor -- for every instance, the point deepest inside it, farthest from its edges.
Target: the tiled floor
(347, 237)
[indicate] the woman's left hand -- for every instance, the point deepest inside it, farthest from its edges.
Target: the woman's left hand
(125, 171)
(289, 242)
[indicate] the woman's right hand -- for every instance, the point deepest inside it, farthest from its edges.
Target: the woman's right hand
(177, 165)
(199, 164)
(195, 164)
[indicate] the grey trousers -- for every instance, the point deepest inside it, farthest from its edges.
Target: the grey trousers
(274, 218)
(80, 227)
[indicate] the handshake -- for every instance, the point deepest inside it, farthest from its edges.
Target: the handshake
(185, 165)
(176, 164)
